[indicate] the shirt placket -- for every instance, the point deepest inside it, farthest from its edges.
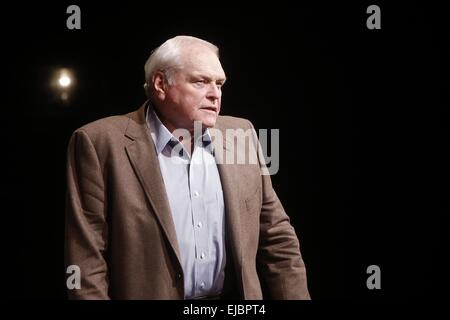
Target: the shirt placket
(199, 222)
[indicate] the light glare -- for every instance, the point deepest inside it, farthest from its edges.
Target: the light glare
(64, 81)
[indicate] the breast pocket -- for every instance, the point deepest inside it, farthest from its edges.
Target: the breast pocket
(214, 203)
(214, 210)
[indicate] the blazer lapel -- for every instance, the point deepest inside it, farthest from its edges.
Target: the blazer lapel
(142, 154)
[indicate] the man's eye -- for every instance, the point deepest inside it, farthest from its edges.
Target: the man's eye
(199, 83)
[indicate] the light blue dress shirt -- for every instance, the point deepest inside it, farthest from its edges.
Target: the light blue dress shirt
(195, 196)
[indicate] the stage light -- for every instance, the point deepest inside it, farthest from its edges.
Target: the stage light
(63, 83)
(64, 80)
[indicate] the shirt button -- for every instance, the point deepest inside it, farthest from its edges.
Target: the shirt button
(199, 224)
(196, 193)
(202, 256)
(179, 275)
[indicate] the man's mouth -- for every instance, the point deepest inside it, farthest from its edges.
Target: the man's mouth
(214, 109)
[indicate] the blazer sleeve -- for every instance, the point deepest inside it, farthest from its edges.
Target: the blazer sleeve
(279, 259)
(86, 231)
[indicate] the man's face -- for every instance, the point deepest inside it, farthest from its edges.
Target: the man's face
(195, 94)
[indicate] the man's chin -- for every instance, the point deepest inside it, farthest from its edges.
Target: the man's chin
(208, 123)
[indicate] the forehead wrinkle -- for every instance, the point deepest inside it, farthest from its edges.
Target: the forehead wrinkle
(208, 75)
(201, 60)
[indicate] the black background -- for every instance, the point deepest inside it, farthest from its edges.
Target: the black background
(363, 119)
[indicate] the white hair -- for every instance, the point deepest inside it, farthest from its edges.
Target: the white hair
(167, 58)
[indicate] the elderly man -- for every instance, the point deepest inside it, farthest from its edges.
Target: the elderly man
(153, 214)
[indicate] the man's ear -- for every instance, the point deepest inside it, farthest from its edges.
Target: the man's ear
(159, 84)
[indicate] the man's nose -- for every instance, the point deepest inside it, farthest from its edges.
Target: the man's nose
(214, 92)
